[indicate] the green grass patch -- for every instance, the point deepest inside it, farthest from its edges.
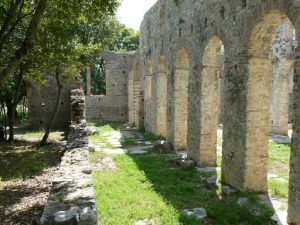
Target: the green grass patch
(279, 157)
(104, 128)
(34, 133)
(152, 137)
(129, 142)
(149, 187)
(279, 152)
(278, 188)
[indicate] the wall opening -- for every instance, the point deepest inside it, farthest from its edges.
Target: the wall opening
(94, 78)
(212, 64)
(282, 78)
(268, 69)
(181, 99)
(162, 94)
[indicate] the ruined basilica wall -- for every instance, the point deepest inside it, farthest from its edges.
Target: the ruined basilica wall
(246, 29)
(114, 105)
(42, 99)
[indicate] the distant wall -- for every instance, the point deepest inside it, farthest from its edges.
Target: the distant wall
(114, 105)
(42, 99)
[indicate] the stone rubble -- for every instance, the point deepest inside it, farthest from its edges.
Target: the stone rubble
(200, 213)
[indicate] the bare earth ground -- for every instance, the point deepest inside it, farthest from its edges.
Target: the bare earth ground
(25, 178)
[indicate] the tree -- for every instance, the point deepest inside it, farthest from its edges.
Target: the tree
(124, 39)
(10, 95)
(127, 40)
(21, 19)
(14, 17)
(69, 41)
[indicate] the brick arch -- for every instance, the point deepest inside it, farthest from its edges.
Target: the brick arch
(258, 101)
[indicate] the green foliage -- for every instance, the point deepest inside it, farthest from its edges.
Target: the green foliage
(98, 80)
(127, 40)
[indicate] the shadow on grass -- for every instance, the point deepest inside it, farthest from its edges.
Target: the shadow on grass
(187, 189)
(22, 160)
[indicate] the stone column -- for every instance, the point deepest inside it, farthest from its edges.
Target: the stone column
(88, 81)
(280, 99)
(234, 122)
(294, 181)
(77, 106)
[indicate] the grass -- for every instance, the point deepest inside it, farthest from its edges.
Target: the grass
(103, 128)
(34, 133)
(152, 137)
(279, 157)
(129, 142)
(149, 187)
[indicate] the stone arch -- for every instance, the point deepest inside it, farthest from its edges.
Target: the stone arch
(258, 101)
(148, 96)
(181, 82)
(281, 53)
(209, 97)
(162, 95)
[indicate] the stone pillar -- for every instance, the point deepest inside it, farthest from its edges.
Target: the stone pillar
(280, 99)
(281, 52)
(234, 129)
(161, 98)
(77, 106)
(294, 181)
(88, 81)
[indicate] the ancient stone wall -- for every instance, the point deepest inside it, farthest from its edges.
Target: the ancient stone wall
(172, 29)
(42, 99)
(114, 105)
(71, 200)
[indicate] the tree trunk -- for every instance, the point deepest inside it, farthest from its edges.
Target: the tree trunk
(27, 44)
(12, 108)
(10, 116)
(56, 109)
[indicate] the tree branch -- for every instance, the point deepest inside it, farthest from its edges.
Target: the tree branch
(27, 45)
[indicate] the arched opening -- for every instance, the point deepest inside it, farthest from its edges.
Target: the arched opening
(162, 94)
(181, 99)
(281, 56)
(267, 160)
(148, 96)
(212, 63)
(94, 79)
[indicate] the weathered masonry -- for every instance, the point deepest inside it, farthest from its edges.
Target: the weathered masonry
(174, 83)
(201, 62)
